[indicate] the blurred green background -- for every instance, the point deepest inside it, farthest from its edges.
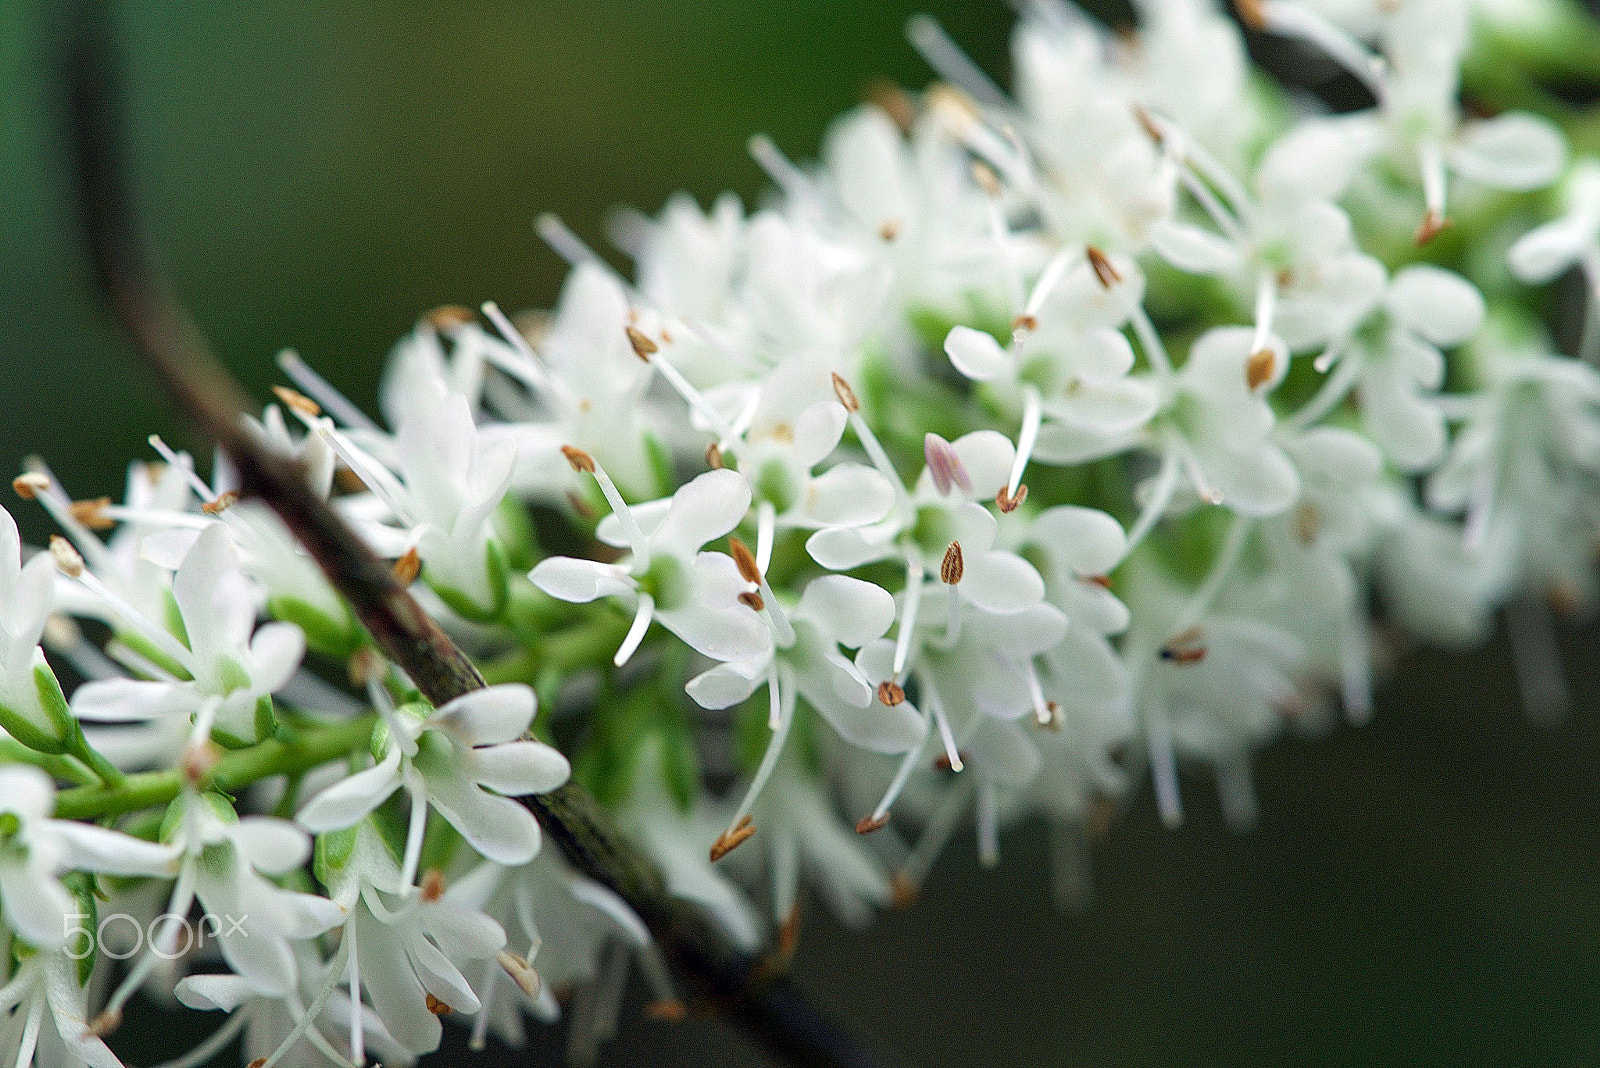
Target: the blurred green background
(1422, 891)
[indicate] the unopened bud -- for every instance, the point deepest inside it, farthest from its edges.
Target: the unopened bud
(952, 567)
(846, 395)
(67, 558)
(408, 567)
(297, 401)
(730, 840)
(891, 693)
(28, 486)
(92, 514)
(944, 464)
(643, 347)
(580, 460)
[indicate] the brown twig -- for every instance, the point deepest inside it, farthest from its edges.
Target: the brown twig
(768, 1006)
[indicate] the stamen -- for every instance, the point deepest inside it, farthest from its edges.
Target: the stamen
(566, 244)
(766, 534)
(769, 761)
(908, 763)
(636, 630)
(297, 401)
(1041, 708)
(1260, 366)
(414, 830)
(30, 1031)
(1296, 20)
(784, 174)
(988, 821)
(185, 465)
(321, 390)
(1048, 280)
(936, 834)
(1031, 414)
(1164, 773)
(1008, 502)
(520, 971)
(223, 502)
(1431, 163)
(1104, 272)
(407, 567)
(935, 704)
(581, 462)
(1166, 484)
(478, 1039)
(908, 614)
(71, 564)
(1155, 350)
(358, 1029)
(92, 514)
(530, 369)
(951, 63)
(891, 694)
(29, 485)
(1536, 658)
(731, 839)
(952, 567)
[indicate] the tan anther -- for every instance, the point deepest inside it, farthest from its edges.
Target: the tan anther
(903, 893)
(1024, 322)
(1184, 649)
(1008, 503)
(890, 229)
(28, 486)
(1103, 581)
(846, 395)
(868, 824)
(104, 1024)
(643, 347)
(1306, 522)
(534, 325)
(1432, 224)
(987, 180)
(1251, 13)
(728, 841)
(1147, 123)
(432, 888)
(1104, 272)
(942, 762)
(1259, 367)
(789, 932)
(347, 480)
(223, 502)
(666, 1010)
(1564, 599)
(435, 1006)
(951, 104)
(1053, 717)
(580, 460)
(92, 514)
(364, 665)
(714, 457)
(199, 759)
(67, 558)
(895, 102)
(752, 600)
(297, 401)
(447, 317)
(259, 1062)
(584, 509)
(891, 693)
(520, 971)
(952, 567)
(408, 567)
(744, 560)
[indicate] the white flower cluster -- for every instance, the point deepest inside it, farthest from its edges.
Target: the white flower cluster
(1025, 447)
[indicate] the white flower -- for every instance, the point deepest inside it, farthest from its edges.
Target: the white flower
(467, 760)
(1545, 251)
(694, 594)
(32, 708)
(46, 1018)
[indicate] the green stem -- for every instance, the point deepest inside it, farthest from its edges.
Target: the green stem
(108, 773)
(233, 770)
(14, 752)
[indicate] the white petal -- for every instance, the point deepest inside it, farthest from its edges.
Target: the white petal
(272, 846)
(36, 906)
(817, 431)
(225, 992)
(1254, 482)
(1086, 540)
(488, 715)
(844, 548)
(1001, 582)
(1511, 151)
(976, 354)
(1438, 304)
(567, 578)
(1545, 251)
(519, 768)
(275, 653)
(725, 685)
(115, 700)
(877, 727)
(498, 827)
(1192, 249)
(1410, 429)
(108, 852)
(706, 508)
(345, 802)
(850, 611)
(27, 791)
(847, 495)
(987, 456)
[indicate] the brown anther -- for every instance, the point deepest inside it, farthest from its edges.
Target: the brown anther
(432, 888)
(1306, 523)
(1104, 273)
(744, 560)
(789, 932)
(903, 893)
(643, 347)
(104, 1024)
(92, 514)
(1147, 123)
(890, 229)
(1183, 649)
(1103, 581)
(223, 502)
(714, 457)
(29, 486)
(348, 480)
(1564, 599)
(942, 762)
(67, 558)
(447, 317)
(846, 395)
(435, 1006)
(1053, 718)
(259, 1062)
(752, 600)
(728, 841)
(364, 665)
(952, 567)
(1251, 13)
(580, 460)
(895, 102)
(891, 693)
(666, 1010)
(1024, 322)
(1432, 224)
(1259, 367)
(1008, 503)
(297, 401)
(868, 824)
(584, 509)
(520, 971)
(987, 180)
(408, 567)
(198, 761)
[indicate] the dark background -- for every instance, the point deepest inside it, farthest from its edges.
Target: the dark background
(1419, 891)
